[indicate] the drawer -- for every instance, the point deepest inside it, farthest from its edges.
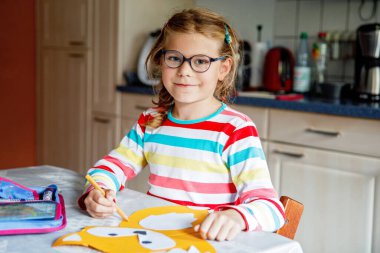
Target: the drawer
(132, 105)
(360, 136)
(258, 115)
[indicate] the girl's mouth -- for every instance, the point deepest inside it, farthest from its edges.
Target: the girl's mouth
(184, 85)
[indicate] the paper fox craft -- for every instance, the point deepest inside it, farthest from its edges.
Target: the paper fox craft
(158, 229)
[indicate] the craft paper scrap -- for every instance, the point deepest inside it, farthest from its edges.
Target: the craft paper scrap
(164, 229)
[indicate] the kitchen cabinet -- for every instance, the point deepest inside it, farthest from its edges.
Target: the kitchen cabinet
(65, 23)
(79, 110)
(105, 130)
(105, 135)
(105, 99)
(331, 165)
(101, 33)
(338, 191)
(64, 107)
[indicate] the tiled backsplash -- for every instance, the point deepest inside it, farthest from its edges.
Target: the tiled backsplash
(295, 16)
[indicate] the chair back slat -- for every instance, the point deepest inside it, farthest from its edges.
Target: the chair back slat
(293, 213)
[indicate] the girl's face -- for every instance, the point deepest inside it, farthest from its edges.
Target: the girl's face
(184, 84)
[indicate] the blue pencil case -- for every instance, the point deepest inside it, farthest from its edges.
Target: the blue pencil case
(30, 210)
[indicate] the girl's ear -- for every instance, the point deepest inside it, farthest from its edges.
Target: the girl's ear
(225, 68)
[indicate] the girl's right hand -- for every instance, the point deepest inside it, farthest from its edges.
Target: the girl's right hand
(99, 206)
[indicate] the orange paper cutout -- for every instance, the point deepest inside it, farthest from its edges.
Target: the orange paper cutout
(131, 236)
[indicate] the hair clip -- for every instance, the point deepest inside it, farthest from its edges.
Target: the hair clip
(228, 36)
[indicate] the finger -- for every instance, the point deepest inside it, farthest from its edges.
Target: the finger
(234, 231)
(99, 207)
(94, 209)
(101, 200)
(98, 215)
(216, 227)
(206, 224)
(110, 195)
(224, 230)
(196, 227)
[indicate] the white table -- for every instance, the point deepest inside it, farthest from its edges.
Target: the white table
(71, 186)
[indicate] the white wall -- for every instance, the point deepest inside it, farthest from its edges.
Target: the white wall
(245, 15)
(294, 16)
(138, 19)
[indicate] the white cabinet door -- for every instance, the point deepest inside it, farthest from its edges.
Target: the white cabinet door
(340, 193)
(65, 23)
(65, 114)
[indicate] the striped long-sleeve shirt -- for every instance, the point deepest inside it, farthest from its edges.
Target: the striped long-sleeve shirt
(215, 162)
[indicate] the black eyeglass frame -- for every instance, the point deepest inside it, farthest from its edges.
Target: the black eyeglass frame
(163, 52)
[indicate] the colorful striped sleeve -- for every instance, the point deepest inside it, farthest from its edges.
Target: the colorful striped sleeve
(258, 201)
(122, 163)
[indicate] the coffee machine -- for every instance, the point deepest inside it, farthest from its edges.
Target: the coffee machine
(367, 62)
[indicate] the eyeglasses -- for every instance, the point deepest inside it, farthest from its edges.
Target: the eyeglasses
(199, 63)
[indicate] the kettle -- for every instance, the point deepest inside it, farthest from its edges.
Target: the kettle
(278, 70)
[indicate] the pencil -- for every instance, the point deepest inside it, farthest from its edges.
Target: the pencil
(96, 186)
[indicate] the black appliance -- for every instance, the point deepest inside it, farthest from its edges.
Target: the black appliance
(367, 62)
(244, 71)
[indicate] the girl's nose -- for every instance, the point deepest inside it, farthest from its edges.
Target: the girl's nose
(185, 69)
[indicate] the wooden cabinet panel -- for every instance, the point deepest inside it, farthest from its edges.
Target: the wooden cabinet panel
(105, 135)
(132, 105)
(105, 98)
(360, 136)
(339, 192)
(65, 23)
(65, 110)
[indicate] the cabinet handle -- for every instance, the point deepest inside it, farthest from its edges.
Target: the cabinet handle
(288, 153)
(322, 132)
(102, 120)
(76, 55)
(141, 107)
(76, 43)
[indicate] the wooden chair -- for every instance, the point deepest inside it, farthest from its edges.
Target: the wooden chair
(293, 213)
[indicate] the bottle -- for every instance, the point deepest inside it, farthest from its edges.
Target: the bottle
(302, 70)
(320, 55)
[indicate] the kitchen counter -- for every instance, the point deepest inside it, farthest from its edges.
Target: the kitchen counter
(308, 104)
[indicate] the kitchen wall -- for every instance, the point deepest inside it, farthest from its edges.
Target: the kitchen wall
(311, 16)
(245, 15)
(17, 83)
(142, 17)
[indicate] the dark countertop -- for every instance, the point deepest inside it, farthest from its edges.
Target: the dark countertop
(345, 107)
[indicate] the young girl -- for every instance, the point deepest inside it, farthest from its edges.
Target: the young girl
(199, 151)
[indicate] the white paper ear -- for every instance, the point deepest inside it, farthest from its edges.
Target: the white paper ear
(73, 238)
(170, 221)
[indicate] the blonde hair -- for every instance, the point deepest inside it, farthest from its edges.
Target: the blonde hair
(209, 24)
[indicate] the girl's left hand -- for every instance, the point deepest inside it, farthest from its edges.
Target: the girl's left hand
(222, 225)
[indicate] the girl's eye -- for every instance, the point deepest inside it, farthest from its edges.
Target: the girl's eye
(174, 58)
(201, 61)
